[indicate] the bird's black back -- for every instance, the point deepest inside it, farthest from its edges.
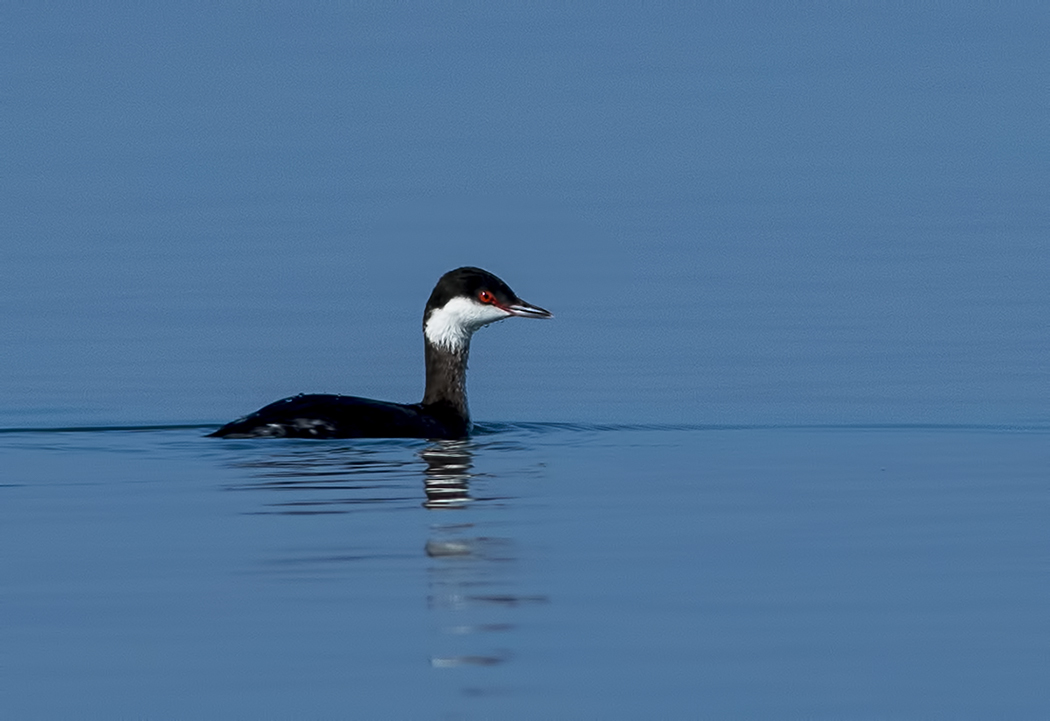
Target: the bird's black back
(334, 416)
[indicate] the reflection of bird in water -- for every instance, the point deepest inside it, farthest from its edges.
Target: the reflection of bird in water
(471, 576)
(447, 475)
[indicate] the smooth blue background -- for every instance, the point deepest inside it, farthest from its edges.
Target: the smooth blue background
(788, 446)
(804, 214)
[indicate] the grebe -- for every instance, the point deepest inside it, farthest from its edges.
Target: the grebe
(464, 300)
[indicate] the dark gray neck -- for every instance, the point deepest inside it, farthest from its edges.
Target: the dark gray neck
(447, 378)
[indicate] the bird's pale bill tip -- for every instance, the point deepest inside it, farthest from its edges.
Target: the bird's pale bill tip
(527, 310)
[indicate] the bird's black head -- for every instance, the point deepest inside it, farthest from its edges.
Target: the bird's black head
(469, 283)
(466, 299)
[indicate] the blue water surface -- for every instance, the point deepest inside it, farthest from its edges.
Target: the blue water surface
(781, 453)
(533, 571)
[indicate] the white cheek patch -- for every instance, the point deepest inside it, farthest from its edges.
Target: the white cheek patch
(452, 325)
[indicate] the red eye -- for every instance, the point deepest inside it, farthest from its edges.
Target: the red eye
(486, 297)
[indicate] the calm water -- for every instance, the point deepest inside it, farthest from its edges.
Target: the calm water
(533, 571)
(782, 452)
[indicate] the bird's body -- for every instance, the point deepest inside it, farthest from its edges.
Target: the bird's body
(463, 301)
(321, 415)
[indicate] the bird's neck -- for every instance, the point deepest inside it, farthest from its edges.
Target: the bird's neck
(447, 378)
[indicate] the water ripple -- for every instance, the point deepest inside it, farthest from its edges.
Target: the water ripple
(543, 427)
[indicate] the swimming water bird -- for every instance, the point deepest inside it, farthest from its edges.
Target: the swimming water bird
(464, 300)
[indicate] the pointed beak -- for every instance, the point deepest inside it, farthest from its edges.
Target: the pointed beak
(526, 310)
